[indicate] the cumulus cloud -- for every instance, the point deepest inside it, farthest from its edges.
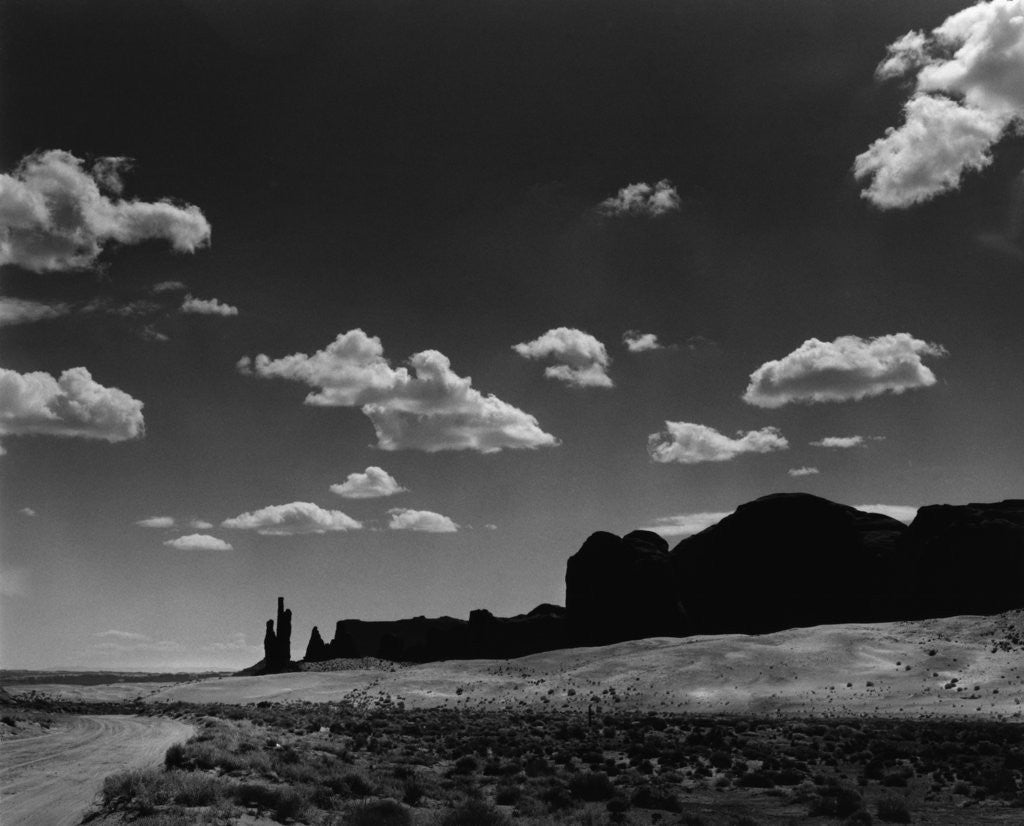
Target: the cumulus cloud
(156, 522)
(582, 360)
(968, 92)
(200, 524)
(169, 287)
(204, 306)
(198, 542)
(686, 524)
(849, 368)
(54, 214)
(637, 342)
(116, 634)
(841, 442)
(293, 518)
(405, 519)
(902, 513)
(73, 405)
(642, 199)
(371, 484)
(802, 471)
(429, 409)
(690, 444)
(22, 311)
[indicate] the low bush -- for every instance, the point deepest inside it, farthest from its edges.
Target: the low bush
(892, 809)
(378, 813)
(473, 813)
(591, 786)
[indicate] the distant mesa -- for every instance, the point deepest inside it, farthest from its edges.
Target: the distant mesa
(782, 561)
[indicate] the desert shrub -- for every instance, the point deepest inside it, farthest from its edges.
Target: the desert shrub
(141, 790)
(350, 785)
(837, 801)
(292, 803)
(892, 809)
(756, 780)
(648, 798)
(591, 786)
(194, 789)
(861, 817)
(507, 794)
(473, 813)
(413, 791)
(174, 758)
(466, 764)
(379, 813)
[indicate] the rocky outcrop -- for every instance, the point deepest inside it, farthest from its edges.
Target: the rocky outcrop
(621, 589)
(277, 645)
(316, 649)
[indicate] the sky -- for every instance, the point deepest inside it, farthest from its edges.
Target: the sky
(385, 306)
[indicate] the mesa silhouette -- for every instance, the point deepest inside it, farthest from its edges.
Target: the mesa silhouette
(782, 561)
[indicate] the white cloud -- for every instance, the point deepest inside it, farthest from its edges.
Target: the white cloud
(582, 359)
(156, 522)
(22, 311)
(490, 527)
(690, 444)
(969, 92)
(170, 286)
(27, 512)
(200, 524)
(433, 410)
(73, 405)
(642, 199)
(121, 635)
(841, 442)
(849, 368)
(686, 524)
(293, 518)
(373, 483)
(204, 306)
(54, 216)
(405, 519)
(198, 542)
(637, 342)
(902, 513)
(802, 471)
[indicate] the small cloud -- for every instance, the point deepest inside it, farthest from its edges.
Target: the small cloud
(121, 635)
(200, 524)
(151, 333)
(582, 359)
(22, 311)
(841, 442)
(156, 522)
(490, 527)
(642, 200)
(54, 216)
(802, 471)
(27, 512)
(849, 368)
(966, 96)
(429, 408)
(373, 483)
(198, 542)
(292, 519)
(73, 405)
(169, 286)
(690, 444)
(637, 342)
(686, 524)
(902, 513)
(405, 519)
(203, 306)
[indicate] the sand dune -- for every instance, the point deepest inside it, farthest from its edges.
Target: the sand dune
(958, 666)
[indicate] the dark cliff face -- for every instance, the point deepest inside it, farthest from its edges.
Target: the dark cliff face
(787, 560)
(620, 589)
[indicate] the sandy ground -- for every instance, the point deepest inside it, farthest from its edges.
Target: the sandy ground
(945, 667)
(50, 780)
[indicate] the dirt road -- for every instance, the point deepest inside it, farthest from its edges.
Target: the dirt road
(52, 779)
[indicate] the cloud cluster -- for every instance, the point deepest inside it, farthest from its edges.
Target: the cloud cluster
(797, 472)
(54, 214)
(429, 409)
(637, 342)
(840, 442)
(207, 306)
(686, 524)
(293, 518)
(690, 444)
(582, 360)
(73, 405)
(968, 92)
(848, 368)
(642, 200)
(371, 484)
(902, 513)
(22, 311)
(198, 542)
(156, 522)
(406, 519)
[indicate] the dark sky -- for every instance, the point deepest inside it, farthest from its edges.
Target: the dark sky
(431, 173)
